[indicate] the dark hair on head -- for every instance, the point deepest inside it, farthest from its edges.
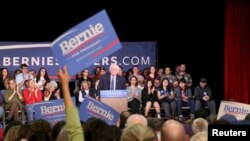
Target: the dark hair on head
(123, 118)
(96, 130)
(24, 65)
(155, 123)
(182, 80)
(56, 129)
(247, 116)
(40, 130)
(23, 132)
(131, 78)
(115, 133)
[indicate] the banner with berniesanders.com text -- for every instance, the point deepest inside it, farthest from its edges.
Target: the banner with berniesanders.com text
(239, 110)
(93, 108)
(37, 55)
(86, 43)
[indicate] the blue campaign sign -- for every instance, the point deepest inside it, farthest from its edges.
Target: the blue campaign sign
(52, 111)
(86, 43)
(114, 93)
(93, 108)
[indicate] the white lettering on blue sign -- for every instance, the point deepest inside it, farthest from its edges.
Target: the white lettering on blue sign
(52, 109)
(72, 43)
(99, 110)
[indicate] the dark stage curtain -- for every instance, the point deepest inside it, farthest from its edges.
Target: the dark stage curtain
(237, 51)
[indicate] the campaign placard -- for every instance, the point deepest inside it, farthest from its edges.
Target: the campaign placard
(52, 111)
(239, 110)
(93, 108)
(86, 43)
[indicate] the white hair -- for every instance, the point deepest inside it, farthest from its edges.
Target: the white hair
(114, 66)
(51, 83)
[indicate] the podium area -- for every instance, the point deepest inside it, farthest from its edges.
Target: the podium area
(117, 99)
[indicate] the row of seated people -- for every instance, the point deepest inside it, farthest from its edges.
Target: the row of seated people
(15, 100)
(171, 99)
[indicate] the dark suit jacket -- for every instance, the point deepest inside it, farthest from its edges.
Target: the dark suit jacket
(91, 94)
(104, 83)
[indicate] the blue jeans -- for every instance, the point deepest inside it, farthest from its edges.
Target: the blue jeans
(181, 103)
(1, 111)
(29, 110)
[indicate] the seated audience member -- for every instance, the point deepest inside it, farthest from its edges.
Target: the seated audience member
(138, 132)
(85, 77)
(203, 96)
(167, 98)
(13, 99)
(85, 90)
(23, 76)
(4, 74)
(73, 125)
(134, 95)
(51, 92)
(149, 98)
(173, 130)
(184, 75)
(31, 95)
(42, 79)
(201, 136)
(136, 119)
(167, 74)
(77, 79)
(135, 72)
(184, 98)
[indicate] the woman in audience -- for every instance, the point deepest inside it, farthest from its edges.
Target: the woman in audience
(42, 78)
(13, 99)
(152, 74)
(149, 98)
(4, 74)
(85, 90)
(134, 95)
(167, 99)
(73, 125)
(51, 92)
(31, 95)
